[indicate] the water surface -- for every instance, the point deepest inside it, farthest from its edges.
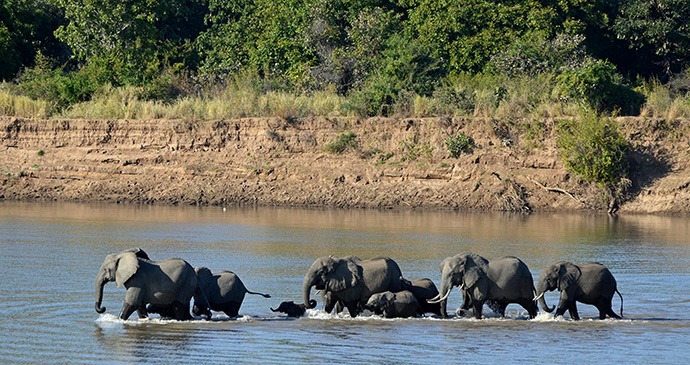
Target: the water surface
(51, 253)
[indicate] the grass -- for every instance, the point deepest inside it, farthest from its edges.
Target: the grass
(460, 95)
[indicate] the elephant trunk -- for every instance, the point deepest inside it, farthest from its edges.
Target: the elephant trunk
(309, 280)
(101, 280)
(541, 289)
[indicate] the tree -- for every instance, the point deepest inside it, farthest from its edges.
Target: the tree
(658, 28)
(133, 37)
(26, 28)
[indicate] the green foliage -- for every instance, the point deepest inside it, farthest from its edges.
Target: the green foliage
(458, 144)
(55, 86)
(658, 30)
(412, 150)
(133, 38)
(26, 28)
(342, 143)
(594, 149)
(600, 87)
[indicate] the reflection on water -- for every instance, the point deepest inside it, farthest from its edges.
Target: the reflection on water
(51, 253)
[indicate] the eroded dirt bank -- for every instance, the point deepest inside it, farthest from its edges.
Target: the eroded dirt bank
(398, 163)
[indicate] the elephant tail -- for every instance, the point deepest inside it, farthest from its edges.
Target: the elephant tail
(263, 295)
(620, 296)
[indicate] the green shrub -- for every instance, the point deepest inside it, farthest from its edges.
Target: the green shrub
(342, 142)
(594, 150)
(599, 86)
(58, 88)
(459, 143)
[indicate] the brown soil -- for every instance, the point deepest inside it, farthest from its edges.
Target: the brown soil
(398, 163)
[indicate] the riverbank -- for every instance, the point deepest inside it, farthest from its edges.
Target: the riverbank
(393, 163)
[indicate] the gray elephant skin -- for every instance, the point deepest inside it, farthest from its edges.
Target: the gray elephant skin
(498, 282)
(423, 290)
(402, 304)
(222, 292)
(293, 309)
(351, 281)
(168, 283)
(590, 283)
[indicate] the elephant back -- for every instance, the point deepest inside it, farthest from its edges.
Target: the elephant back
(229, 287)
(511, 272)
(380, 274)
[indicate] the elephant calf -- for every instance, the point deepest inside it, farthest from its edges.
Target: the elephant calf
(589, 283)
(402, 304)
(222, 291)
(292, 309)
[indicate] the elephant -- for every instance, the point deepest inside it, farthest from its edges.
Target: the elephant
(497, 282)
(292, 309)
(422, 290)
(402, 304)
(168, 283)
(590, 283)
(351, 281)
(222, 291)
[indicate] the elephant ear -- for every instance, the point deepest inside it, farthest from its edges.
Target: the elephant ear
(472, 276)
(127, 266)
(568, 274)
(347, 274)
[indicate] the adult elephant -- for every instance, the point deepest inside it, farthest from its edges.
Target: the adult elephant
(499, 282)
(351, 281)
(590, 283)
(222, 291)
(168, 283)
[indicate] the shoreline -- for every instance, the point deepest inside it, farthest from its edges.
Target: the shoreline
(397, 163)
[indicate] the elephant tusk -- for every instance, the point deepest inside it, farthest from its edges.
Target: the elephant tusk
(434, 301)
(318, 292)
(538, 297)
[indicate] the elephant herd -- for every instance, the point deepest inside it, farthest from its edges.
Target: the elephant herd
(349, 283)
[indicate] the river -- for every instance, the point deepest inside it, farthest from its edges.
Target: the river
(51, 253)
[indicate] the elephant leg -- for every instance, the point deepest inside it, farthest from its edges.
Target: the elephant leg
(604, 307)
(232, 309)
(141, 311)
(133, 301)
(127, 310)
(530, 306)
(181, 311)
(573, 311)
(477, 307)
(352, 308)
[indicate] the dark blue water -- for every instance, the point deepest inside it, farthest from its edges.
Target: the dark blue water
(51, 254)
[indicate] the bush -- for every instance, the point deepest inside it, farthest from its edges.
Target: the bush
(58, 88)
(594, 150)
(342, 142)
(599, 86)
(459, 143)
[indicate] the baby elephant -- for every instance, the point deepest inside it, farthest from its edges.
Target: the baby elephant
(222, 291)
(292, 309)
(589, 284)
(402, 304)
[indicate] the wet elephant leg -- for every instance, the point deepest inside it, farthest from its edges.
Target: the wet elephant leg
(141, 311)
(181, 311)
(530, 306)
(477, 307)
(133, 301)
(573, 311)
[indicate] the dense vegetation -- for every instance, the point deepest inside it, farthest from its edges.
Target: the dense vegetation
(508, 60)
(354, 57)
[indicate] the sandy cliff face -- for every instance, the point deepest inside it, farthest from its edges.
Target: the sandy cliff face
(398, 163)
